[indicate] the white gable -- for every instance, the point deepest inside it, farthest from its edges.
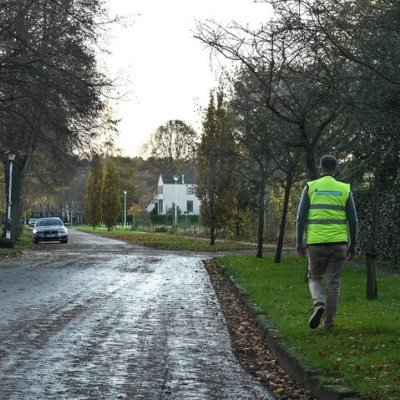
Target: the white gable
(178, 192)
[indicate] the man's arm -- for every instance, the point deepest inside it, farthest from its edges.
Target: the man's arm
(352, 221)
(301, 220)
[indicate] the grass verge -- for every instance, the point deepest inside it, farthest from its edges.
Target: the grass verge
(22, 244)
(168, 241)
(362, 352)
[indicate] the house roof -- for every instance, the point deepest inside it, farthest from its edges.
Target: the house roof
(185, 178)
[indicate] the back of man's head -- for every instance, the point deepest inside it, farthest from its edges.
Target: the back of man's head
(328, 164)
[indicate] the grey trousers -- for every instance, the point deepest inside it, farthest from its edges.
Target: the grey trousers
(326, 260)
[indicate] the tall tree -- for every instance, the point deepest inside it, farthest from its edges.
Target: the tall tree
(266, 154)
(174, 141)
(215, 174)
(255, 137)
(287, 173)
(128, 177)
(111, 195)
(52, 94)
(93, 197)
(297, 85)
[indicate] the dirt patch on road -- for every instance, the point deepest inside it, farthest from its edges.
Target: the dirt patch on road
(249, 346)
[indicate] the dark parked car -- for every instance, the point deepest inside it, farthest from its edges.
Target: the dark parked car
(49, 230)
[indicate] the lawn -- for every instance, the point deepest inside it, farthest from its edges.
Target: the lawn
(169, 241)
(362, 352)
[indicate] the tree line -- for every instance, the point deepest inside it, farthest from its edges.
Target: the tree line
(53, 97)
(321, 77)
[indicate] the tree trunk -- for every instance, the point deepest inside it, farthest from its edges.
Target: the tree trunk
(18, 175)
(237, 229)
(279, 245)
(261, 215)
(5, 167)
(212, 236)
(372, 283)
(311, 164)
(16, 201)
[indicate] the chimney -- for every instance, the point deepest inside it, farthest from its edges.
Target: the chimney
(183, 179)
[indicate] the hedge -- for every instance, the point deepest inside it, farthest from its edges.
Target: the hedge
(388, 232)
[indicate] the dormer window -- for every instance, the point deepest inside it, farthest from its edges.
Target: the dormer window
(190, 189)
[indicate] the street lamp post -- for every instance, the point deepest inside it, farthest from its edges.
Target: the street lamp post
(176, 201)
(11, 158)
(125, 193)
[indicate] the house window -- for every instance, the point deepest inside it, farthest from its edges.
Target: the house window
(189, 206)
(190, 189)
(160, 189)
(160, 206)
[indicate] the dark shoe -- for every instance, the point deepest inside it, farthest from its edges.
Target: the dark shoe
(316, 316)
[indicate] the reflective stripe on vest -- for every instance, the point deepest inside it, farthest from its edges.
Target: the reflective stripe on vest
(327, 222)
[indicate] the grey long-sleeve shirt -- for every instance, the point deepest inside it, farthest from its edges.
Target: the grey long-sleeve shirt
(302, 216)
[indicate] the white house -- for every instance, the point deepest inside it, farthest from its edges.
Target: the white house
(174, 189)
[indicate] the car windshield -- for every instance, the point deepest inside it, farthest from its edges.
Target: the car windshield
(49, 222)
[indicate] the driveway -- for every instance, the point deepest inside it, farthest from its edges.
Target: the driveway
(101, 319)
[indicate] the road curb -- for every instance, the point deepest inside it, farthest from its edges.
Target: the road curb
(290, 363)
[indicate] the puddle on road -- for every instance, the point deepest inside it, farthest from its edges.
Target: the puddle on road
(59, 252)
(42, 254)
(70, 253)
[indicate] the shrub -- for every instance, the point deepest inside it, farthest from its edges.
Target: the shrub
(388, 231)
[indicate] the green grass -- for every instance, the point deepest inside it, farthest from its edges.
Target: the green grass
(23, 243)
(362, 352)
(168, 241)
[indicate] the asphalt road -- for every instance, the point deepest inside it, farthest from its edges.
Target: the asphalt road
(101, 319)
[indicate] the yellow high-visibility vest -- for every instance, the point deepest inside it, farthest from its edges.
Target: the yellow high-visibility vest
(327, 221)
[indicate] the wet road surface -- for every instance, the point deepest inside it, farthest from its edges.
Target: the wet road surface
(101, 319)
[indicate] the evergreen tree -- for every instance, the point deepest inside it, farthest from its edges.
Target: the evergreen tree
(215, 175)
(111, 196)
(93, 193)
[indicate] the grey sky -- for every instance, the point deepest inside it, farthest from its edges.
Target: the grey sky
(165, 71)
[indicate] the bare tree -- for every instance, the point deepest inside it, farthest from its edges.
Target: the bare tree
(174, 141)
(288, 172)
(255, 135)
(265, 153)
(297, 86)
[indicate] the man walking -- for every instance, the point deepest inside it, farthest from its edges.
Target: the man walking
(328, 214)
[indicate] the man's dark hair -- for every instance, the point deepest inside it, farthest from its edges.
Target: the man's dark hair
(328, 163)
